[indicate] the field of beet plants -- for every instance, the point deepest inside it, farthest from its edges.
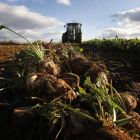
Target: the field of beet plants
(68, 91)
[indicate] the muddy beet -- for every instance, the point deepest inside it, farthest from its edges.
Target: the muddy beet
(55, 87)
(78, 65)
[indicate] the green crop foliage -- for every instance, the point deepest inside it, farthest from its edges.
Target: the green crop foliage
(34, 52)
(117, 43)
(106, 107)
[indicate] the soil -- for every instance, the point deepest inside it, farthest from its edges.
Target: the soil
(124, 78)
(124, 70)
(106, 133)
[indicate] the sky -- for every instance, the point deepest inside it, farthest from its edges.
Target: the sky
(45, 19)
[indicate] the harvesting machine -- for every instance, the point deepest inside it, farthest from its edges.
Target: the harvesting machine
(73, 33)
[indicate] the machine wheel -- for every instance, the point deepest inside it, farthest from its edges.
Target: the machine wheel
(80, 38)
(64, 38)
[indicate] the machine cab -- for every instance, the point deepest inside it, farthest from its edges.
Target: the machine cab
(73, 28)
(73, 32)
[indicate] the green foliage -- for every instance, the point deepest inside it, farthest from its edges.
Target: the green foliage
(133, 134)
(78, 49)
(105, 105)
(48, 111)
(117, 43)
(33, 52)
(80, 113)
(30, 56)
(14, 83)
(75, 50)
(122, 122)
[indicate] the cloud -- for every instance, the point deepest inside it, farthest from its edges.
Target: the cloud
(130, 18)
(66, 2)
(130, 23)
(96, 27)
(20, 17)
(121, 32)
(113, 20)
(86, 38)
(40, 1)
(29, 24)
(31, 35)
(12, 0)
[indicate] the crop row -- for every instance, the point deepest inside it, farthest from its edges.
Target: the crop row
(117, 43)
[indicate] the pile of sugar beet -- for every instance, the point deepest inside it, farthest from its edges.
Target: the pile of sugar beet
(58, 78)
